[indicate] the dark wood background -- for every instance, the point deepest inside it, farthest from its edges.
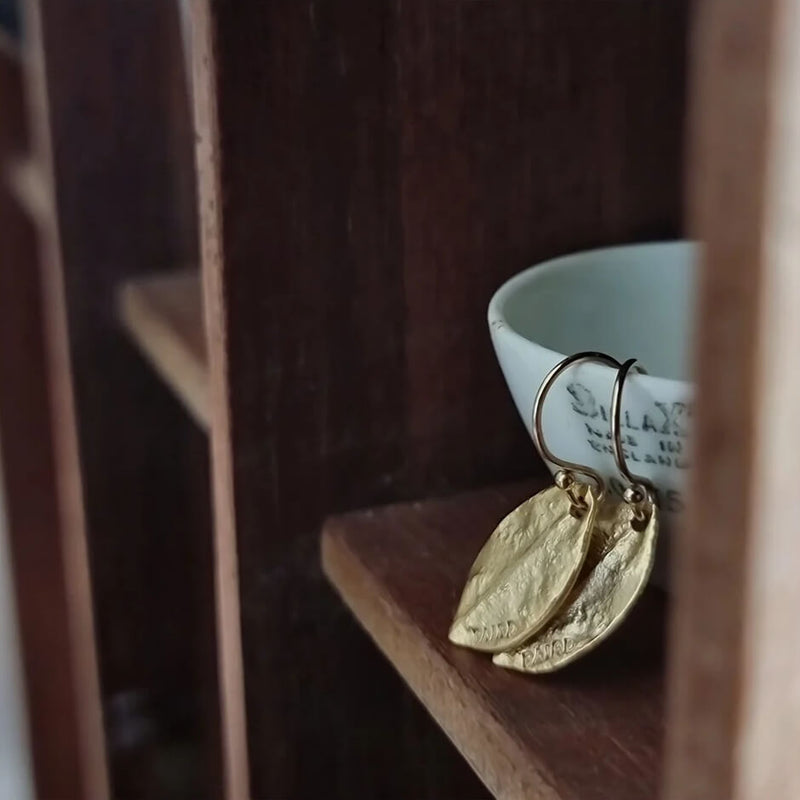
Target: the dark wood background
(123, 158)
(29, 495)
(382, 168)
(31, 512)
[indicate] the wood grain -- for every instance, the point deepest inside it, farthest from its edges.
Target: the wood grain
(56, 700)
(592, 731)
(734, 706)
(35, 526)
(375, 171)
(226, 573)
(163, 314)
(68, 486)
(112, 121)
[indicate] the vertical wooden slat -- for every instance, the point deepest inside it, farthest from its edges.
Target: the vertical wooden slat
(90, 739)
(35, 530)
(113, 130)
(226, 574)
(45, 606)
(735, 708)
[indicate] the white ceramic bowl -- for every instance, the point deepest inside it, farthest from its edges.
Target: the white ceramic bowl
(631, 301)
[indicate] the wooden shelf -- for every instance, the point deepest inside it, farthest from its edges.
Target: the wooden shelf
(592, 732)
(27, 184)
(163, 315)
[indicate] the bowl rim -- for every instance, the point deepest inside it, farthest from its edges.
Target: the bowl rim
(499, 325)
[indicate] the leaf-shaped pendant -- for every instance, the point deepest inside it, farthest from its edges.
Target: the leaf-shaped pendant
(615, 573)
(524, 571)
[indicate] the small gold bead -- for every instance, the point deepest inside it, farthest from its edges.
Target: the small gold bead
(633, 495)
(564, 479)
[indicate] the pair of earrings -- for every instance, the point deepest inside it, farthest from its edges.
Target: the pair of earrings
(562, 571)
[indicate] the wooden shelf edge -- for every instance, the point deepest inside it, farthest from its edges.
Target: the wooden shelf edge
(472, 728)
(591, 732)
(163, 315)
(26, 183)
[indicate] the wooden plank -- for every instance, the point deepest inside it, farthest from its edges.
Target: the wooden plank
(163, 314)
(424, 151)
(27, 185)
(735, 696)
(233, 733)
(113, 132)
(46, 606)
(590, 732)
(91, 767)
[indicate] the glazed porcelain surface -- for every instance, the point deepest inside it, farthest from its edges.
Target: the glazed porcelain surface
(634, 301)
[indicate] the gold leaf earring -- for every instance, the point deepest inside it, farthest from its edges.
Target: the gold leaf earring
(616, 570)
(527, 568)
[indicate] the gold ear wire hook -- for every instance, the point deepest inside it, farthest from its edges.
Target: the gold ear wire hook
(640, 488)
(564, 478)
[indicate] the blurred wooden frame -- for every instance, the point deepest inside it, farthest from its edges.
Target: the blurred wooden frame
(735, 659)
(42, 474)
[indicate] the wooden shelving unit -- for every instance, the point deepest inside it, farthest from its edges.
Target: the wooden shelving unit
(590, 733)
(163, 315)
(78, 486)
(400, 569)
(364, 181)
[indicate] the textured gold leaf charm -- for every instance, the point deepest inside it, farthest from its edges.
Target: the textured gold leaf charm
(524, 571)
(615, 573)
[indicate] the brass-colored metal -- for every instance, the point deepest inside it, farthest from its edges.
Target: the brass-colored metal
(617, 568)
(531, 561)
(639, 487)
(538, 408)
(566, 481)
(525, 571)
(615, 573)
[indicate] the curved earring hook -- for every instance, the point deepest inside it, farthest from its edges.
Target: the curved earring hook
(538, 407)
(640, 487)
